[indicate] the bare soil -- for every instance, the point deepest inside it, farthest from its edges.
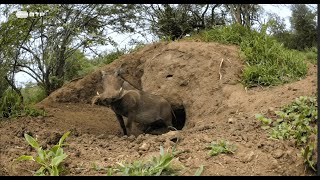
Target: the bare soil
(201, 79)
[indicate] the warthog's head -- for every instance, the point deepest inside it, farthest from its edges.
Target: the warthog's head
(112, 87)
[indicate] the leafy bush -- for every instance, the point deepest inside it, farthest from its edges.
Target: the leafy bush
(50, 160)
(311, 55)
(12, 106)
(296, 121)
(268, 62)
(221, 146)
(33, 94)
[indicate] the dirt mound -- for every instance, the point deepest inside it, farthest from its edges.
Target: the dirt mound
(200, 80)
(190, 76)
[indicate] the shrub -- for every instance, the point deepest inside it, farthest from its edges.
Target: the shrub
(155, 166)
(11, 106)
(221, 146)
(267, 61)
(50, 160)
(296, 121)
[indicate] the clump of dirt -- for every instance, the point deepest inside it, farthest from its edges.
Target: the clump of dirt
(201, 81)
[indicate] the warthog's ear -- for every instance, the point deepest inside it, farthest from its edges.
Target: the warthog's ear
(123, 68)
(103, 73)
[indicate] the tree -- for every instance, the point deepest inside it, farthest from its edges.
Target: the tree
(40, 46)
(278, 30)
(244, 14)
(304, 27)
(173, 20)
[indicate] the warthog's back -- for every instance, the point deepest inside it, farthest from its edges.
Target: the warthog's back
(147, 107)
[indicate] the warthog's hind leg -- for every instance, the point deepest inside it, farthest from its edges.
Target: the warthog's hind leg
(131, 118)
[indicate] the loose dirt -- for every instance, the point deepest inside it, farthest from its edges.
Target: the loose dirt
(202, 83)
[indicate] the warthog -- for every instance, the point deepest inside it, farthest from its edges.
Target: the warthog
(137, 105)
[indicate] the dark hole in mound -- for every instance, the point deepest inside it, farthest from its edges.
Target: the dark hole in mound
(179, 117)
(178, 121)
(170, 75)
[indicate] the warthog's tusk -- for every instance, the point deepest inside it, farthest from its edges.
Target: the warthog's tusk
(98, 93)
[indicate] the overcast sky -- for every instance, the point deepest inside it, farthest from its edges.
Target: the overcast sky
(122, 39)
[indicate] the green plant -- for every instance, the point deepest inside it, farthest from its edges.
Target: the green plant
(11, 106)
(33, 112)
(221, 146)
(199, 171)
(155, 166)
(311, 55)
(308, 153)
(268, 62)
(265, 121)
(296, 121)
(50, 160)
(33, 94)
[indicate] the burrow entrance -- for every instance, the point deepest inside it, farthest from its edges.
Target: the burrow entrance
(179, 117)
(178, 121)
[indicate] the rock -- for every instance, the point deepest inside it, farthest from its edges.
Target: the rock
(277, 153)
(101, 136)
(230, 120)
(172, 136)
(246, 157)
(274, 164)
(244, 137)
(249, 144)
(271, 110)
(144, 147)
(111, 136)
(184, 83)
(131, 138)
(77, 154)
(206, 139)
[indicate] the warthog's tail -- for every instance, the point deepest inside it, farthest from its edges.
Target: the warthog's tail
(171, 128)
(173, 114)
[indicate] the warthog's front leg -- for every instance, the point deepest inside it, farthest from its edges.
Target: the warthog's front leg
(120, 119)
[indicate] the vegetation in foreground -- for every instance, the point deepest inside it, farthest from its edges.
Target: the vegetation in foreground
(297, 122)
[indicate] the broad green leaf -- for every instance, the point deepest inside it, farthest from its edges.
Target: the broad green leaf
(41, 154)
(265, 127)
(31, 141)
(57, 160)
(54, 148)
(59, 152)
(258, 116)
(199, 171)
(54, 171)
(40, 161)
(25, 158)
(50, 154)
(40, 172)
(63, 138)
